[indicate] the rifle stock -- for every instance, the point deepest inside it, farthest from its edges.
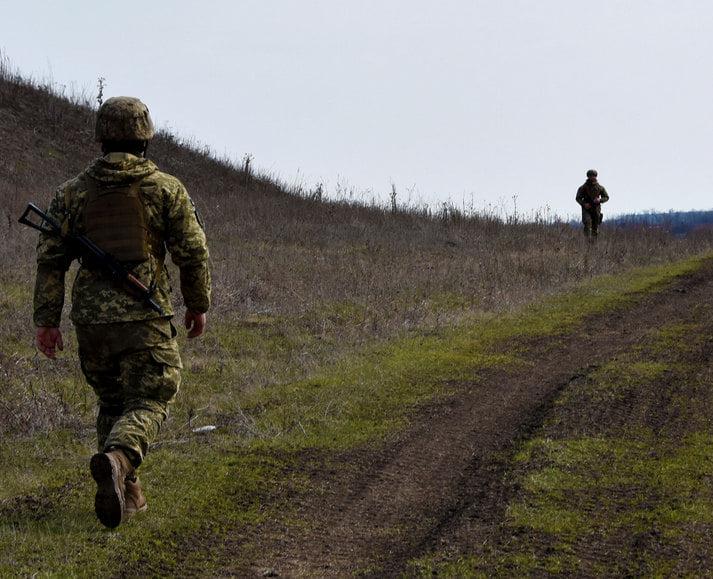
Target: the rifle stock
(37, 219)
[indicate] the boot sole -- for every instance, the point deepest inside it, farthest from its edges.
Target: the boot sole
(108, 503)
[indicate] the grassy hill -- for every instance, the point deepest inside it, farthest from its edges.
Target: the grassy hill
(332, 320)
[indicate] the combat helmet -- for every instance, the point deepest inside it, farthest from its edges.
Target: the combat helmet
(592, 173)
(123, 119)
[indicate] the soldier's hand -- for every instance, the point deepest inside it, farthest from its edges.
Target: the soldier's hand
(49, 340)
(195, 323)
(587, 206)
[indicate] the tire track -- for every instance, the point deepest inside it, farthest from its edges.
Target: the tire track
(447, 477)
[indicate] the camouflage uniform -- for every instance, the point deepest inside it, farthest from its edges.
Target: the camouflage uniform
(128, 352)
(592, 217)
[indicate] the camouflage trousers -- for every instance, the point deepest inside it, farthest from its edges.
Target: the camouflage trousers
(591, 218)
(135, 370)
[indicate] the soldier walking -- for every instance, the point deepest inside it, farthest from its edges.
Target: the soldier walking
(590, 196)
(128, 351)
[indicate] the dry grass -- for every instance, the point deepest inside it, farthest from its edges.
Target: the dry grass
(336, 273)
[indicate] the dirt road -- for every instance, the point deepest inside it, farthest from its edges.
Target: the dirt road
(442, 489)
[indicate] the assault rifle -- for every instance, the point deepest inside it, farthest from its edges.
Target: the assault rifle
(37, 219)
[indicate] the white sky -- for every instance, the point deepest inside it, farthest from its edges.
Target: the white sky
(472, 101)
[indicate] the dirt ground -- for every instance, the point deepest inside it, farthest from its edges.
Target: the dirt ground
(443, 486)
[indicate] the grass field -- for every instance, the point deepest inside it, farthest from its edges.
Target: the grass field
(208, 491)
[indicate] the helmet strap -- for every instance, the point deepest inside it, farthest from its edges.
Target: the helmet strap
(137, 148)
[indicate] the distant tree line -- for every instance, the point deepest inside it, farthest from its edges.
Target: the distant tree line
(677, 222)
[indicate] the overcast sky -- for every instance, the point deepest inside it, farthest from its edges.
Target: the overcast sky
(469, 101)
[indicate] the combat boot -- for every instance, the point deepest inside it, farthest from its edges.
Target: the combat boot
(134, 499)
(110, 470)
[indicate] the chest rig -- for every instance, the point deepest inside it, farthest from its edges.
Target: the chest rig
(592, 191)
(114, 218)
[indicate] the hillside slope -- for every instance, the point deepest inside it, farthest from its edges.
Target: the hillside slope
(276, 251)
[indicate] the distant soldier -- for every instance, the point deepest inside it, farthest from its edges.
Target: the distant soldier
(127, 350)
(590, 196)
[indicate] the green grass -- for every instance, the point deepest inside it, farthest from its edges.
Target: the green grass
(13, 296)
(41, 463)
(605, 485)
(206, 493)
(203, 490)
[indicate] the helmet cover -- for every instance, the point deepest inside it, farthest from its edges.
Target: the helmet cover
(123, 119)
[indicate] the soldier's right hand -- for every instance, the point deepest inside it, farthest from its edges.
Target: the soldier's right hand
(49, 340)
(195, 323)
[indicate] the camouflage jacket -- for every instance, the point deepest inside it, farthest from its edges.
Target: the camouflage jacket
(170, 216)
(590, 191)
